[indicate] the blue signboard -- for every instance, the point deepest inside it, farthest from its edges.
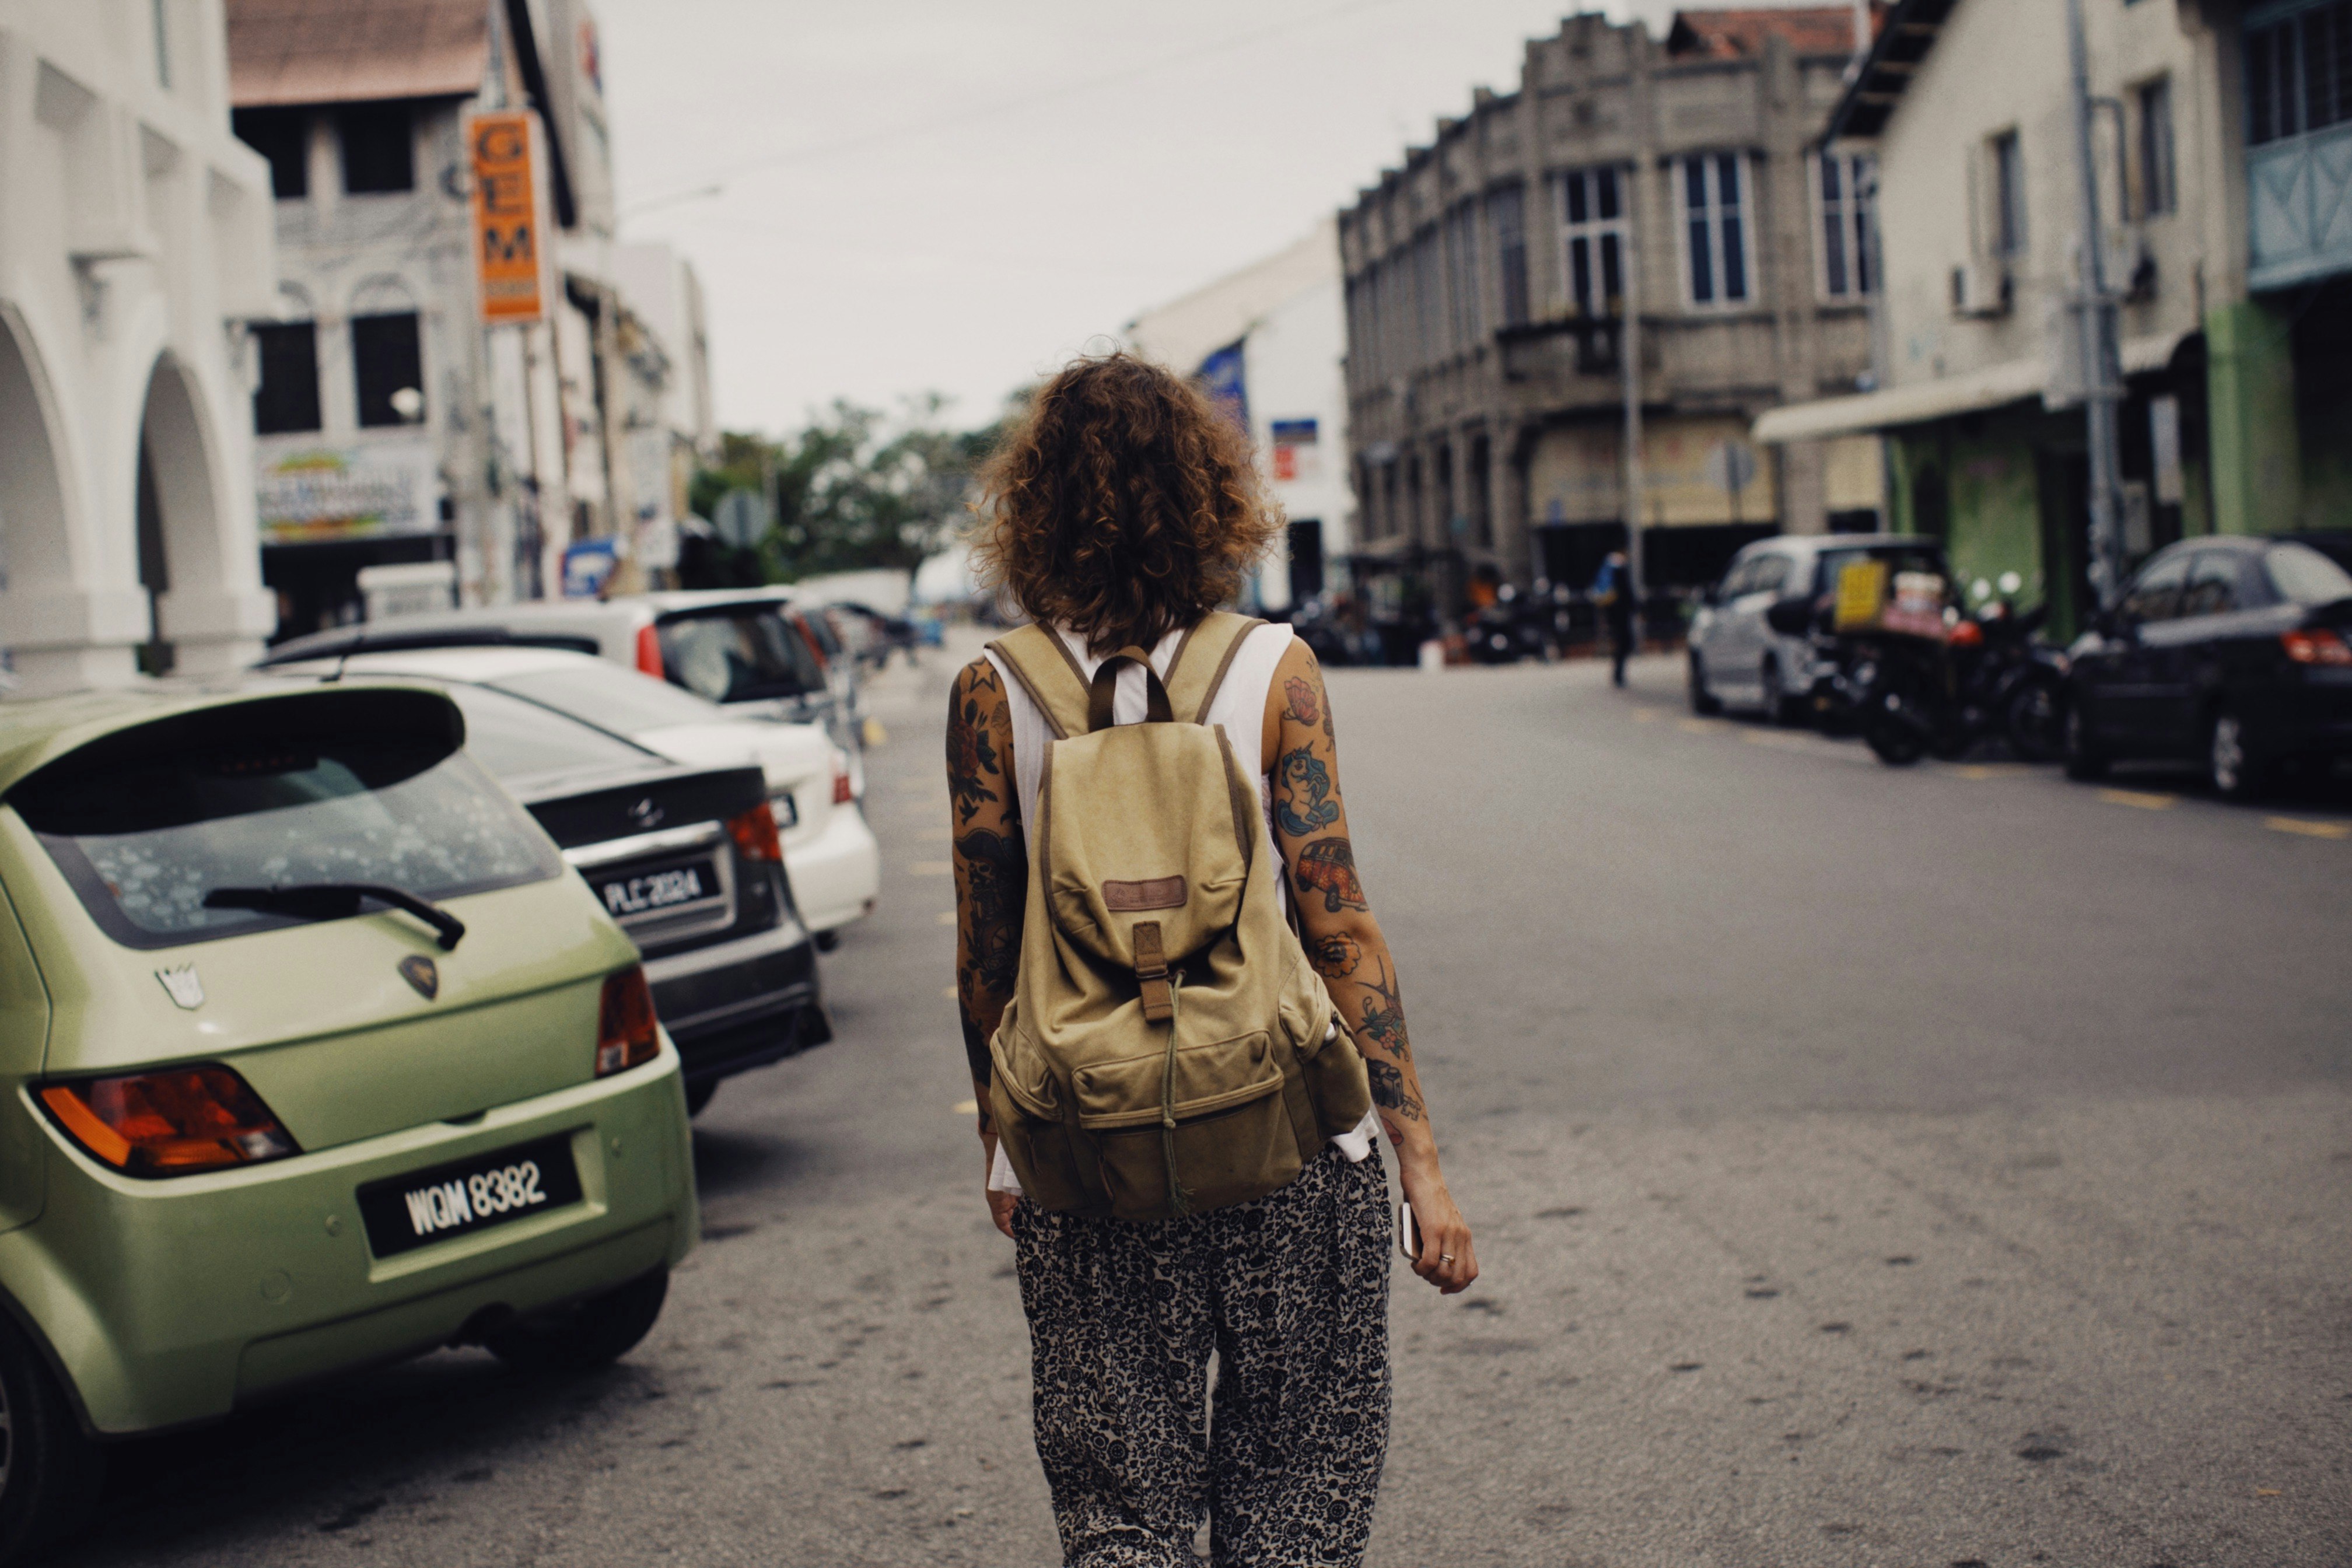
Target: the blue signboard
(1221, 376)
(588, 566)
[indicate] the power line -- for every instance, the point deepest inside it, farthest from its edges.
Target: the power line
(715, 184)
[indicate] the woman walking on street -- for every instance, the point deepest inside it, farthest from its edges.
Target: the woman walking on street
(1120, 517)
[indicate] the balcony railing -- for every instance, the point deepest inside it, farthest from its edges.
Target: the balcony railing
(2299, 207)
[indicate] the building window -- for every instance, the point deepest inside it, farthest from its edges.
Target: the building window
(385, 359)
(1507, 210)
(2299, 73)
(1714, 211)
(2008, 197)
(1427, 319)
(1469, 320)
(287, 398)
(379, 149)
(1849, 200)
(1592, 239)
(282, 136)
(2160, 190)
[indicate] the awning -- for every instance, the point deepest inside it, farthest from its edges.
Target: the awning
(353, 51)
(1947, 395)
(1938, 399)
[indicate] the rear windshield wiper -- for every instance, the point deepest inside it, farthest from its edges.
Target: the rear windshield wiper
(335, 900)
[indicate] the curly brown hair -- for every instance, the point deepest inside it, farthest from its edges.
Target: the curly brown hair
(1124, 505)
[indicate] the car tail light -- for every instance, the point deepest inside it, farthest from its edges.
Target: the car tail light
(1967, 634)
(843, 793)
(626, 1036)
(754, 832)
(2315, 645)
(171, 1123)
(649, 657)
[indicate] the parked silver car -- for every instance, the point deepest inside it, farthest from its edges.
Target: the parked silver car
(1736, 659)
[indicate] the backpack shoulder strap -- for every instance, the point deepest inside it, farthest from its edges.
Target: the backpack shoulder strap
(1202, 660)
(1043, 666)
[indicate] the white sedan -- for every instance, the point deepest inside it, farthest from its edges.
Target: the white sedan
(835, 865)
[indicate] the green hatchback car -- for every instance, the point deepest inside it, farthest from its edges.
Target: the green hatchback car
(313, 1054)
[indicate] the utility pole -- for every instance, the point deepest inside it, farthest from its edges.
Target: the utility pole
(1629, 359)
(2095, 309)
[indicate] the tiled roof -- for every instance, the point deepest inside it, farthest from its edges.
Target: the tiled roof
(1740, 33)
(344, 51)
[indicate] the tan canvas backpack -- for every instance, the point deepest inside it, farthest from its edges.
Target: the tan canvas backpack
(1168, 1048)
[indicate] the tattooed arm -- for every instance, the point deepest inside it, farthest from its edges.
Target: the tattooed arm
(1344, 943)
(991, 878)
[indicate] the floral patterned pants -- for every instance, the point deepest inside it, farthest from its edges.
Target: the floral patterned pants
(1291, 1292)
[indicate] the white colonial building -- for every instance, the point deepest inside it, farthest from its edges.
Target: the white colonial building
(1271, 340)
(135, 244)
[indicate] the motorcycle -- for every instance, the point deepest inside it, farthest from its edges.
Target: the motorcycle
(1928, 681)
(1515, 626)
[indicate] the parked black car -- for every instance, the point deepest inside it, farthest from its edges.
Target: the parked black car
(2232, 652)
(686, 859)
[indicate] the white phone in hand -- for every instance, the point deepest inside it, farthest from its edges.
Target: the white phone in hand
(1408, 1234)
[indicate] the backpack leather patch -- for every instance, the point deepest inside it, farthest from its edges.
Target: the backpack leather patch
(1159, 893)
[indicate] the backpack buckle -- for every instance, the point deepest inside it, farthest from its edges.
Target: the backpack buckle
(1151, 973)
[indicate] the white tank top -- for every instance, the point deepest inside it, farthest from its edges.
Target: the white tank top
(1239, 709)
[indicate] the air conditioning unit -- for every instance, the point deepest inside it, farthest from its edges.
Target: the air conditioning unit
(1982, 288)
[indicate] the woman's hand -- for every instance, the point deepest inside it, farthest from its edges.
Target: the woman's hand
(1000, 1205)
(1447, 1259)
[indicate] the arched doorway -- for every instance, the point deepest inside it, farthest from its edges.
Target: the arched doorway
(178, 511)
(33, 548)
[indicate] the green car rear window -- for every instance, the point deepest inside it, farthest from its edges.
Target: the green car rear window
(145, 824)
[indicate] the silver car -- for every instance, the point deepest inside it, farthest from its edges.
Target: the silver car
(1737, 659)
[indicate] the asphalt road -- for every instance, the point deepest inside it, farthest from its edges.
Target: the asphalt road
(1947, 1167)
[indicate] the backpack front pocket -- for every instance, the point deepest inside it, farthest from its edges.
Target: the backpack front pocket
(1029, 1123)
(1217, 1107)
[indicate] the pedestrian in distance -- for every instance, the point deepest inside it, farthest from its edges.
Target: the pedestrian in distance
(1183, 1023)
(1613, 592)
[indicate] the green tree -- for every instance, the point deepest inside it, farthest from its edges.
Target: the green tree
(855, 489)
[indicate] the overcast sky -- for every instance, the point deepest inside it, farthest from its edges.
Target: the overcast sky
(958, 194)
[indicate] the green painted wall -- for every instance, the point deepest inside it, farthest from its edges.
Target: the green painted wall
(2249, 398)
(1997, 508)
(1991, 486)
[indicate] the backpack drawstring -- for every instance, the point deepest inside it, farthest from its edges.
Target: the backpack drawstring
(1179, 1201)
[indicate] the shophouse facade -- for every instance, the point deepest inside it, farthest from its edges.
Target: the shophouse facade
(398, 425)
(1270, 342)
(134, 245)
(2222, 150)
(1673, 183)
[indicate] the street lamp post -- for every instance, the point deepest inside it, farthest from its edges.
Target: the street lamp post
(2095, 312)
(1629, 356)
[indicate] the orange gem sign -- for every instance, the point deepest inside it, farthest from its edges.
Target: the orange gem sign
(512, 236)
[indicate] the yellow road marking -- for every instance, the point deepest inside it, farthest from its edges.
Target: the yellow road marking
(946, 917)
(2307, 828)
(1645, 716)
(930, 868)
(965, 1108)
(1992, 771)
(950, 994)
(2146, 802)
(1695, 726)
(1786, 742)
